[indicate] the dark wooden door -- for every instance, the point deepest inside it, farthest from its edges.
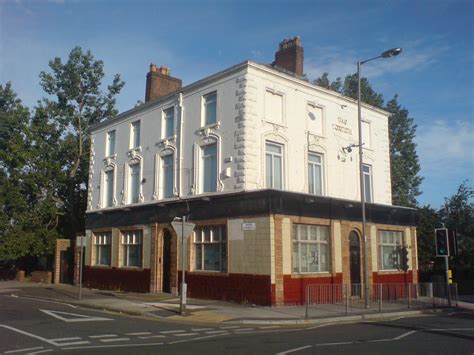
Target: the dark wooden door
(166, 287)
(354, 252)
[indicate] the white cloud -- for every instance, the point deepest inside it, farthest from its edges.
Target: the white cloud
(447, 148)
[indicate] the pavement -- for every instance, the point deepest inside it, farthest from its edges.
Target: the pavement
(167, 307)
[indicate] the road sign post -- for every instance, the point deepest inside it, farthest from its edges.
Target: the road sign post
(183, 229)
(442, 250)
(81, 242)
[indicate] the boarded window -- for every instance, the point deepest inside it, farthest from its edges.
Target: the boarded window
(315, 119)
(273, 107)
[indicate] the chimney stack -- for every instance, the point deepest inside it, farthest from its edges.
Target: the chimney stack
(290, 56)
(159, 83)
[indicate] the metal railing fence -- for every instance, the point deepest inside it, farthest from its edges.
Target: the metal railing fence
(349, 298)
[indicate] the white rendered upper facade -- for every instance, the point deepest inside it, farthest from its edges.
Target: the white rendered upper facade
(246, 128)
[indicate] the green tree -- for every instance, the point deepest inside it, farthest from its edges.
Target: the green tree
(28, 201)
(323, 81)
(76, 102)
(458, 214)
(428, 220)
(404, 163)
(367, 94)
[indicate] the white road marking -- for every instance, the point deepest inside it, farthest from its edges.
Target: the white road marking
(41, 351)
(269, 327)
(404, 335)
(229, 327)
(73, 343)
(200, 338)
(201, 329)
(185, 334)
(77, 317)
(172, 331)
(22, 350)
(441, 330)
(396, 318)
(140, 333)
(340, 343)
(102, 336)
(41, 300)
(295, 349)
(28, 334)
(110, 346)
(216, 332)
(153, 336)
(114, 339)
(61, 339)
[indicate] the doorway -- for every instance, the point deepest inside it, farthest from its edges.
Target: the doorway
(166, 286)
(354, 256)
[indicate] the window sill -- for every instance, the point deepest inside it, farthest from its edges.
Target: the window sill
(132, 151)
(131, 268)
(391, 271)
(204, 130)
(278, 124)
(311, 274)
(210, 272)
(105, 267)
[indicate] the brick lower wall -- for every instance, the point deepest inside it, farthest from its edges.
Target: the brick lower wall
(241, 288)
(398, 277)
(117, 279)
(295, 287)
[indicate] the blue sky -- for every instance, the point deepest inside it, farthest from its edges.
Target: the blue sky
(433, 76)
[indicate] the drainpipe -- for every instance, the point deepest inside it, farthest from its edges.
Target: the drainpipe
(179, 145)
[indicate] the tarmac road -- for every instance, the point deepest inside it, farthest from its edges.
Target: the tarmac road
(39, 326)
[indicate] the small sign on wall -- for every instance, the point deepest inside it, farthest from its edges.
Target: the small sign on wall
(248, 226)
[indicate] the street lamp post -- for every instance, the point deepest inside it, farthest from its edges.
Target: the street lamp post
(387, 54)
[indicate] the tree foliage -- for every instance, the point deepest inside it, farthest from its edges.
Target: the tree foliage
(44, 156)
(458, 214)
(404, 164)
(28, 185)
(76, 102)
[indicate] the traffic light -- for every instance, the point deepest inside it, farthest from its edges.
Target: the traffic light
(453, 243)
(404, 265)
(441, 239)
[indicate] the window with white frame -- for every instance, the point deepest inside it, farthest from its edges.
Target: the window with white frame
(210, 248)
(168, 175)
(315, 173)
(273, 106)
(135, 134)
(389, 245)
(110, 150)
(102, 243)
(273, 166)
(209, 168)
(210, 108)
(134, 186)
(169, 122)
(366, 134)
(368, 188)
(311, 251)
(132, 248)
(109, 188)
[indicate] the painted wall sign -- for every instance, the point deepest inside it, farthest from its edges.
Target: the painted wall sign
(248, 226)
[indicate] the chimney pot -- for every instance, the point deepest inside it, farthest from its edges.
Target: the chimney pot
(159, 83)
(290, 56)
